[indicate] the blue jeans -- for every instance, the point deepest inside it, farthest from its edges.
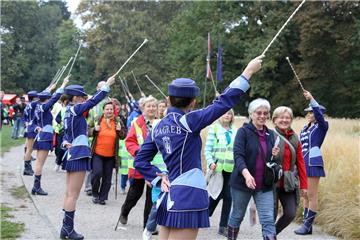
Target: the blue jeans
(151, 222)
(17, 128)
(123, 180)
(264, 206)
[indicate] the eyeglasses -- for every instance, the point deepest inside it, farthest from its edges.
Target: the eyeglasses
(259, 113)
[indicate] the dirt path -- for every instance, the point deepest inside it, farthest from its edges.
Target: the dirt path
(42, 215)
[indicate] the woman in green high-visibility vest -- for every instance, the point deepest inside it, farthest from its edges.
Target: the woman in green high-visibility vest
(219, 157)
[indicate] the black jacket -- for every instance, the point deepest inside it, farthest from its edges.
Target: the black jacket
(246, 149)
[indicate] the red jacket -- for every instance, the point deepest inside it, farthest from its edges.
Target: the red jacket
(300, 163)
(132, 145)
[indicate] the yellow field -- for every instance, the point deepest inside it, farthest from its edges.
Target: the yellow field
(339, 203)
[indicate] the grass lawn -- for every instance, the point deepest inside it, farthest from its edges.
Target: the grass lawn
(9, 230)
(6, 142)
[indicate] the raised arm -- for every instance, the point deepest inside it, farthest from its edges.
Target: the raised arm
(195, 121)
(95, 99)
(319, 116)
(55, 97)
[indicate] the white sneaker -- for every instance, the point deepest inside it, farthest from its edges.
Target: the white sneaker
(57, 168)
(146, 235)
(122, 191)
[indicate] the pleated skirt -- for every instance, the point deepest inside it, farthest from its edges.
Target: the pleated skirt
(190, 219)
(78, 165)
(315, 171)
(43, 145)
(30, 134)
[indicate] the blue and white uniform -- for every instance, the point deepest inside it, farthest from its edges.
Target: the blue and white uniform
(29, 118)
(43, 118)
(311, 139)
(177, 137)
(76, 158)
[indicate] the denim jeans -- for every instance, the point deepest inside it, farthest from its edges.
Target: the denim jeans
(123, 180)
(151, 222)
(264, 205)
(17, 128)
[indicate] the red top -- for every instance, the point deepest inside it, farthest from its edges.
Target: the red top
(132, 144)
(300, 162)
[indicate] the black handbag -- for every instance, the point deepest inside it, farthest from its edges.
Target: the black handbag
(272, 171)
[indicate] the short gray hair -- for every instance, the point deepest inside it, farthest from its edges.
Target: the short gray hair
(259, 102)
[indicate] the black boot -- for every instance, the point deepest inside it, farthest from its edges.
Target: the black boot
(232, 233)
(28, 171)
(67, 230)
(37, 190)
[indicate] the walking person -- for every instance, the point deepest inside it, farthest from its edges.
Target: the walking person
(139, 130)
(45, 133)
(183, 205)
(253, 148)
(30, 134)
(19, 108)
(220, 158)
(312, 136)
(106, 132)
(76, 161)
(94, 113)
(294, 181)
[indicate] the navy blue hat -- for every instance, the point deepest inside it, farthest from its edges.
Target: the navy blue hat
(309, 109)
(75, 90)
(44, 95)
(183, 87)
(32, 94)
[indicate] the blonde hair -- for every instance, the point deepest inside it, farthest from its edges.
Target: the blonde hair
(281, 110)
(232, 119)
(148, 99)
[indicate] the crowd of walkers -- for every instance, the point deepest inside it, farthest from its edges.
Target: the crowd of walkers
(156, 146)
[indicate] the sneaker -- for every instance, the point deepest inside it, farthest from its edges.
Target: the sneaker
(222, 231)
(122, 191)
(102, 202)
(89, 192)
(56, 168)
(146, 235)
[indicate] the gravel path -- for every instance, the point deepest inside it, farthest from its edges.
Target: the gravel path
(43, 215)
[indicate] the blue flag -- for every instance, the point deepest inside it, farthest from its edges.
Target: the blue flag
(219, 64)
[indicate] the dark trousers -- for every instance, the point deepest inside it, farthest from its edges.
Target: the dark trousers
(134, 194)
(59, 151)
(225, 195)
(289, 204)
(101, 170)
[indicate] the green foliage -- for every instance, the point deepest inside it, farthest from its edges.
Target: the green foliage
(6, 142)
(322, 41)
(9, 230)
